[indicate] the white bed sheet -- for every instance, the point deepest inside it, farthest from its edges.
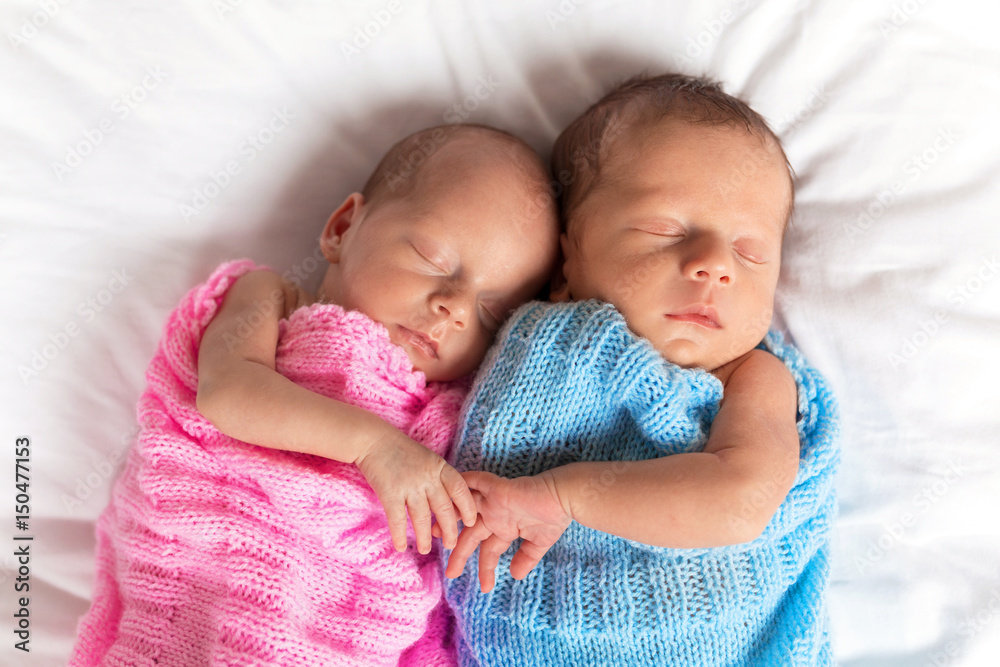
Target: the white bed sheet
(143, 143)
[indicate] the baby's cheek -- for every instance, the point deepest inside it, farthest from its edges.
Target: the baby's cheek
(756, 327)
(471, 355)
(643, 321)
(626, 284)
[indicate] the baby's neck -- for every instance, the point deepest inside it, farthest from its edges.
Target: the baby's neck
(725, 371)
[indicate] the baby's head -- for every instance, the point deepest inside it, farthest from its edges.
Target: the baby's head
(675, 202)
(456, 227)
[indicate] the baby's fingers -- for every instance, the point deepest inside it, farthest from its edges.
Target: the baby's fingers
(420, 517)
(526, 558)
(456, 487)
(395, 514)
(468, 540)
(445, 522)
(489, 557)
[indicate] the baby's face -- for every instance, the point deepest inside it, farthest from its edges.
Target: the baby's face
(443, 274)
(683, 235)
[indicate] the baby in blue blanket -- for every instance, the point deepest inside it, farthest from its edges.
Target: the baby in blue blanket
(652, 468)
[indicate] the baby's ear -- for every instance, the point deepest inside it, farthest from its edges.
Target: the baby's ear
(331, 240)
(558, 285)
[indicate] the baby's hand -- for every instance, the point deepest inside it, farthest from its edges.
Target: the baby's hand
(407, 476)
(525, 507)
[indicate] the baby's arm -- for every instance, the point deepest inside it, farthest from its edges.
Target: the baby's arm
(243, 395)
(725, 494)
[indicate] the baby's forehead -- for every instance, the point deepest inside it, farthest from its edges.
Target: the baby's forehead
(712, 170)
(484, 154)
(731, 156)
(483, 165)
(678, 134)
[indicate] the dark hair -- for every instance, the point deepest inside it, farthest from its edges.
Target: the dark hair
(582, 147)
(397, 174)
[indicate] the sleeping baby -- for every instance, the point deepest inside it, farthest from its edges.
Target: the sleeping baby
(664, 463)
(293, 550)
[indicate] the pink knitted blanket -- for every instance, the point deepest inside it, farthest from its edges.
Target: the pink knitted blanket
(215, 551)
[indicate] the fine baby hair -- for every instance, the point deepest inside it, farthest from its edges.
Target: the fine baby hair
(276, 505)
(653, 470)
(581, 148)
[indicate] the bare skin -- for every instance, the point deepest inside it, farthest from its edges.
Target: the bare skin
(692, 265)
(441, 273)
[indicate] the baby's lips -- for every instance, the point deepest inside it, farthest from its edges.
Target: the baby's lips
(420, 341)
(701, 314)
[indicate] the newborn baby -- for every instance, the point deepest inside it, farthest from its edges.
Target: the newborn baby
(665, 463)
(295, 550)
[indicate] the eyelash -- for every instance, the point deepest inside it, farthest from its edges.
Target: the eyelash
(666, 234)
(494, 322)
(746, 256)
(429, 261)
(750, 258)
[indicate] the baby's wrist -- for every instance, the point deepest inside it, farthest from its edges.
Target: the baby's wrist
(368, 447)
(559, 482)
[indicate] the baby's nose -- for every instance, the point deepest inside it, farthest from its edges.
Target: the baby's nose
(709, 260)
(451, 310)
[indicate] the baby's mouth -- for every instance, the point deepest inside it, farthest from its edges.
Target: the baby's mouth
(697, 314)
(420, 341)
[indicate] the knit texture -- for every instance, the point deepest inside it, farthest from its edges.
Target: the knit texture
(215, 551)
(570, 382)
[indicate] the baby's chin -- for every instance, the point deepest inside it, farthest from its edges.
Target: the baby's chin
(438, 372)
(690, 354)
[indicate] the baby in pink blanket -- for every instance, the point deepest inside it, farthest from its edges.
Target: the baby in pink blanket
(293, 550)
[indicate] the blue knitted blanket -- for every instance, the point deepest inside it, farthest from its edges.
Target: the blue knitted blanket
(569, 382)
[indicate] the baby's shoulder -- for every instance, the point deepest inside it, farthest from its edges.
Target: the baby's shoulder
(757, 370)
(264, 289)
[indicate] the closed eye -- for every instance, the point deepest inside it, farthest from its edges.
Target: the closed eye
(661, 237)
(749, 256)
(430, 262)
(661, 230)
(490, 319)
